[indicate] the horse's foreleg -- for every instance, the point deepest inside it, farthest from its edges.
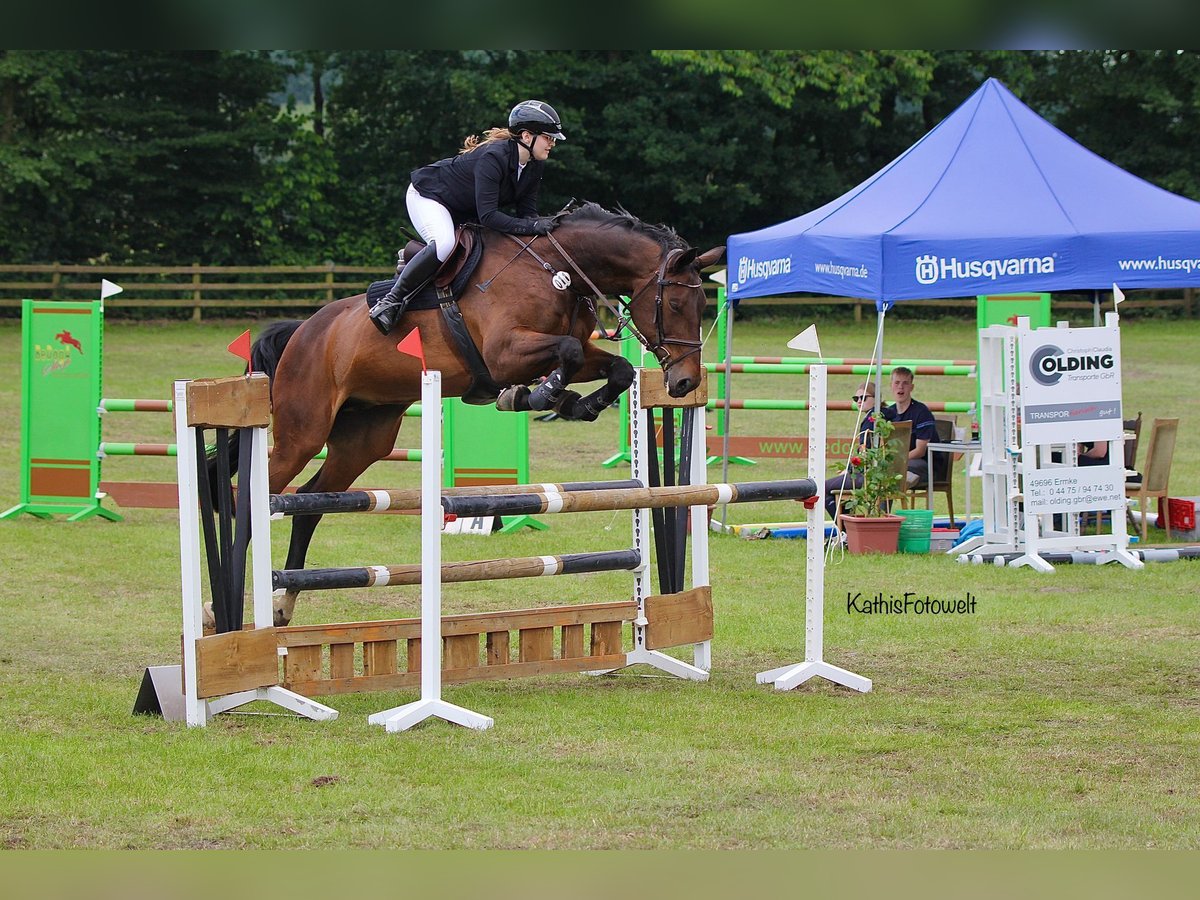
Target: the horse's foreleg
(568, 353)
(618, 373)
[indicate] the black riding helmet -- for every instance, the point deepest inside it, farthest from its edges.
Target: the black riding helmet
(536, 117)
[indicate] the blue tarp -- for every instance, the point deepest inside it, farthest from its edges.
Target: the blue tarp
(993, 200)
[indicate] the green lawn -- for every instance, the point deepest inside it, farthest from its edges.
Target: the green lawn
(1062, 713)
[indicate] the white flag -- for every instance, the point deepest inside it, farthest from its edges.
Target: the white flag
(107, 289)
(718, 276)
(806, 341)
(1118, 294)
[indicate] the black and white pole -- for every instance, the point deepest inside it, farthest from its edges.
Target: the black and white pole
(787, 677)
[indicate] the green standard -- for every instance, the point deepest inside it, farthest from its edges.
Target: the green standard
(908, 603)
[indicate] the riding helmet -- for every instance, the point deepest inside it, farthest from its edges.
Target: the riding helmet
(536, 117)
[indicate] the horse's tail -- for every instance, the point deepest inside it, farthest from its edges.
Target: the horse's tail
(264, 357)
(268, 347)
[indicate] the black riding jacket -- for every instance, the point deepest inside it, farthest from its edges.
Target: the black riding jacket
(473, 186)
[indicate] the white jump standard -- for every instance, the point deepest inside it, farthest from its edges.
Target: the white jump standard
(787, 677)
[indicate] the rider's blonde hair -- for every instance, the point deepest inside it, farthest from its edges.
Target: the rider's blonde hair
(473, 141)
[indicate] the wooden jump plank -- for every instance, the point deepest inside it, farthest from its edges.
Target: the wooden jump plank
(535, 644)
(463, 623)
(572, 641)
(606, 638)
(236, 661)
(682, 618)
(379, 657)
(407, 680)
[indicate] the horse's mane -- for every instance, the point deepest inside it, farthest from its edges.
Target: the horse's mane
(587, 211)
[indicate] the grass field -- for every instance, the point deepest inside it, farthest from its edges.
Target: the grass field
(1062, 713)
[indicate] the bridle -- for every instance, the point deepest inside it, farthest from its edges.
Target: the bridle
(622, 309)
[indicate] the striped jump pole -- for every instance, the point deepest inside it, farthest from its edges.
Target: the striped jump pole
(631, 498)
(125, 405)
(125, 448)
(803, 369)
(476, 570)
(557, 500)
(410, 499)
(852, 361)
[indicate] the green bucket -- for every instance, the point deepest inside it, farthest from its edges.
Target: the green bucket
(915, 530)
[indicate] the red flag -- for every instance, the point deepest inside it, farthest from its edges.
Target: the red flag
(241, 347)
(411, 344)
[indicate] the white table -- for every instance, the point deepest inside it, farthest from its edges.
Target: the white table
(966, 448)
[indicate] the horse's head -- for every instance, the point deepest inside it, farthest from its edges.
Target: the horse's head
(669, 318)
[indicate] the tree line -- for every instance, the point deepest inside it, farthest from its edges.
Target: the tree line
(298, 157)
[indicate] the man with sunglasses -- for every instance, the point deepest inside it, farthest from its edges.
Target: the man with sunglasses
(864, 401)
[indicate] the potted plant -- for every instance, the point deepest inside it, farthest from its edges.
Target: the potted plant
(870, 527)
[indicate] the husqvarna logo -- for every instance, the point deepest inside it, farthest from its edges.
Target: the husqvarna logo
(931, 269)
(927, 269)
(1048, 363)
(752, 268)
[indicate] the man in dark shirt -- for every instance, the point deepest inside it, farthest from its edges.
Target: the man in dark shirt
(924, 428)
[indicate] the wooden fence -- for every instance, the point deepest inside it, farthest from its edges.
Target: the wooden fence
(271, 288)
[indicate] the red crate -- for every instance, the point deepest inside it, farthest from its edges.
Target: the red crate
(1183, 513)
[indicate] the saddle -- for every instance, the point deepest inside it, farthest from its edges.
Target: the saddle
(450, 278)
(442, 292)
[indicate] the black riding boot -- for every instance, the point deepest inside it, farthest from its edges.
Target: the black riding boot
(388, 309)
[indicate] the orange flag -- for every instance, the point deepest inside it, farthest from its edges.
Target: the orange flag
(411, 344)
(241, 347)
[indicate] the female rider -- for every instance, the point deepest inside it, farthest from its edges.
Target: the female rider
(504, 169)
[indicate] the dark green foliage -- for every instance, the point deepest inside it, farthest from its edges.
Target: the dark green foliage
(233, 157)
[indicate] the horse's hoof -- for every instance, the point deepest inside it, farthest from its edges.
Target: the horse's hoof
(208, 619)
(281, 618)
(569, 407)
(514, 398)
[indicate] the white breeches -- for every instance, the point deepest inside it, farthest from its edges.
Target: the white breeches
(432, 221)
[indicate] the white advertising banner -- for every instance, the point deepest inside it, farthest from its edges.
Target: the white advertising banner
(1075, 489)
(1070, 385)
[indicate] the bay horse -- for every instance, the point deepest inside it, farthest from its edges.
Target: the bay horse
(336, 381)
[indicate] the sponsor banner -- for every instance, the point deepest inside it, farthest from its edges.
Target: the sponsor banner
(1070, 385)
(1075, 489)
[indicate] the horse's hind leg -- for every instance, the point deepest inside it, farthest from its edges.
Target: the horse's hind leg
(359, 438)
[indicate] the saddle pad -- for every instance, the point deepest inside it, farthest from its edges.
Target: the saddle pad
(427, 297)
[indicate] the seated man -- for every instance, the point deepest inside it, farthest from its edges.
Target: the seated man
(924, 428)
(864, 400)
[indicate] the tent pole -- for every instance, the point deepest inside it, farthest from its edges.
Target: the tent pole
(877, 356)
(1095, 309)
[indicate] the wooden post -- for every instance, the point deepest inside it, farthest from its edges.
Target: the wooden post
(196, 294)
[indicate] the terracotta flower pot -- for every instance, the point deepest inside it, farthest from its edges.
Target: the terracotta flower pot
(872, 534)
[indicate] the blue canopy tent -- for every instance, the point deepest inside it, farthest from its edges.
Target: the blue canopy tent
(993, 200)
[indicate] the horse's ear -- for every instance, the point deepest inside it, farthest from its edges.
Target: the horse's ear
(711, 258)
(684, 260)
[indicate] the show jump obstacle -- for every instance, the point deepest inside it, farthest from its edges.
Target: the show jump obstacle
(289, 665)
